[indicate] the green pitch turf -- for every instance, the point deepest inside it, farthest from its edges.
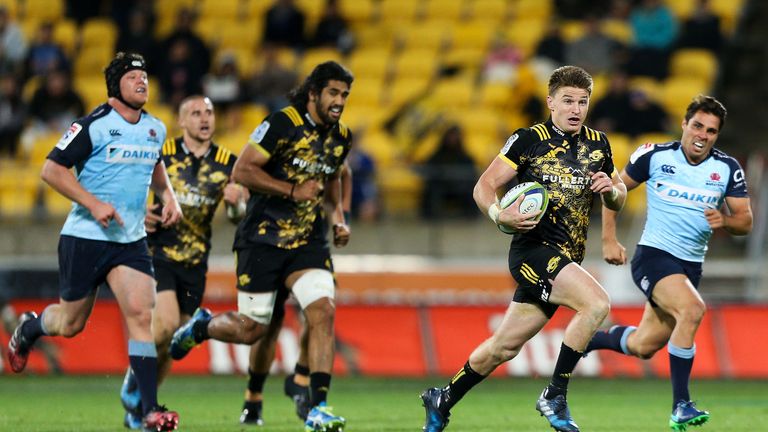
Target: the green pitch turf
(91, 403)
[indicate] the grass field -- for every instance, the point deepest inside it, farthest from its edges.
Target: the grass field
(91, 403)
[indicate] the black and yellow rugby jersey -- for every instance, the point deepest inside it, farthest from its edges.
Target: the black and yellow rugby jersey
(564, 165)
(298, 150)
(199, 186)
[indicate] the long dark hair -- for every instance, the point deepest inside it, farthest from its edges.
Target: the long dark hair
(317, 80)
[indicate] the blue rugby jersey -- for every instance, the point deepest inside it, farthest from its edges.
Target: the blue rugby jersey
(113, 160)
(679, 192)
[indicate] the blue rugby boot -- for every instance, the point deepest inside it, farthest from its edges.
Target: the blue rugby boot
(686, 414)
(132, 421)
(321, 419)
(557, 413)
(129, 394)
(183, 339)
(435, 421)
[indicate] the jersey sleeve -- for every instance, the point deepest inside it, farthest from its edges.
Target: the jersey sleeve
(737, 184)
(517, 148)
(639, 166)
(608, 166)
(266, 135)
(74, 146)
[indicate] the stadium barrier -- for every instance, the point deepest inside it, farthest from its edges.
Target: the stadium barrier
(417, 340)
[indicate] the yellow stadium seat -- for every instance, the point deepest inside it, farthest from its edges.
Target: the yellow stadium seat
(90, 62)
(416, 63)
(316, 56)
(698, 63)
(452, 10)
(572, 30)
(617, 29)
(525, 34)
(56, 204)
(454, 92)
(225, 10)
(100, 32)
(12, 7)
(483, 121)
(44, 10)
(166, 115)
(495, 95)
(65, 34)
(371, 63)
(234, 140)
(431, 34)
(469, 58)
(481, 147)
(380, 147)
(473, 35)
(406, 88)
(399, 10)
(400, 189)
(378, 35)
(488, 10)
(682, 9)
(650, 86)
(256, 10)
(366, 92)
(677, 94)
(532, 9)
(19, 186)
(621, 146)
(252, 115)
(357, 10)
(92, 90)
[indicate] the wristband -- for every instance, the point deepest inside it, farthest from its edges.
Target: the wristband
(493, 212)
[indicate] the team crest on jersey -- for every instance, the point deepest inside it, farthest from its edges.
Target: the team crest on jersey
(69, 136)
(218, 177)
(153, 136)
(260, 131)
(508, 144)
(596, 155)
(338, 150)
(552, 264)
(244, 280)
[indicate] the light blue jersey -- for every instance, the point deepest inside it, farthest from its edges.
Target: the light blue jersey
(113, 160)
(679, 192)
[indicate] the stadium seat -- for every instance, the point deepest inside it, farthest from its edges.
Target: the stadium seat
(379, 35)
(65, 34)
(235, 140)
(677, 93)
(697, 63)
(406, 88)
(452, 10)
(252, 115)
(650, 86)
(400, 190)
(473, 35)
(617, 29)
(532, 9)
(357, 11)
(455, 93)
(621, 146)
(91, 60)
(525, 34)
(366, 92)
(572, 30)
(468, 58)
(44, 10)
(98, 32)
(380, 147)
(481, 147)
(223, 10)
(399, 10)
(416, 63)
(488, 10)
(482, 121)
(316, 56)
(372, 63)
(19, 187)
(432, 34)
(12, 7)
(56, 204)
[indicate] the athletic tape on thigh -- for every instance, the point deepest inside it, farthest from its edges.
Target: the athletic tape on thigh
(257, 306)
(313, 285)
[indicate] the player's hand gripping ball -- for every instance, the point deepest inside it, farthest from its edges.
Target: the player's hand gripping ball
(535, 198)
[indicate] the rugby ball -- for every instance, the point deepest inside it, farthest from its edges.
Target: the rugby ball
(536, 198)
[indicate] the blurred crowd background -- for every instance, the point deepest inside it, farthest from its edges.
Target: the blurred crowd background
(439, 86)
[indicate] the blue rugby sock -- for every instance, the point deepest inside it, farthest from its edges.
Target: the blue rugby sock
(143, 360)
(614, 339)
(680, 365)
(33, 329)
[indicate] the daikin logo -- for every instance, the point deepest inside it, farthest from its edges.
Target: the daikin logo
(132, 154)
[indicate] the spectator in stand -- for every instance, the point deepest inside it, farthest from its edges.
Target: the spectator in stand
(138, 38)
(284, 25)
(501, 62)
(183, 60)
(45, 55)
(449, 177)
(612, 112)
(13, 112)
(365, 194)
(595, 51)
(224, 88)
(552, 46)
(579, 9)
(55, 105)
(332, 29)
(646, 116)
(270, 84)
(13, 46)
(702, 29)
(654, 32)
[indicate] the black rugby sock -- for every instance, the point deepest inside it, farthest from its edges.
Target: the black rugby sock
(460, 384)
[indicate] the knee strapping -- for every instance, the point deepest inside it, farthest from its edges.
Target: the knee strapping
(313, 285)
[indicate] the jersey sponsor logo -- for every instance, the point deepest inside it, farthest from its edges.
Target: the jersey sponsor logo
(643, 149)
(702, 198)
(714, 176)
(194, 199)
(69, 136)
(668, 169)
(508, 145)
(313, 167)
(260, 131)
(132, 154)
(738, 176)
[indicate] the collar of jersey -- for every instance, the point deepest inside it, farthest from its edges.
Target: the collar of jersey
(188, 151)
(564, 135)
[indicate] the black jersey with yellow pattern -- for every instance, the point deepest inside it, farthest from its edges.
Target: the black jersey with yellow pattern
(298, 150)
(564, 165)
(199, 186)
